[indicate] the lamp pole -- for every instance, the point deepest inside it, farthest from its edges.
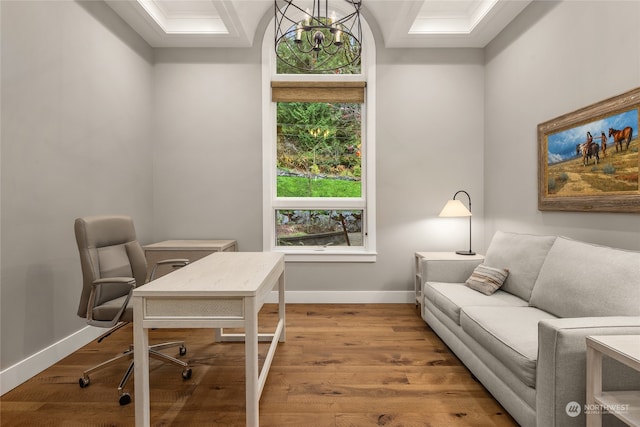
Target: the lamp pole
(469, 252)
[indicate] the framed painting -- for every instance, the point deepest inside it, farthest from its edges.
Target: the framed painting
(588, 160)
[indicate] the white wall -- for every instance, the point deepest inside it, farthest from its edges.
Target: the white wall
(556, 57)
(76, 110)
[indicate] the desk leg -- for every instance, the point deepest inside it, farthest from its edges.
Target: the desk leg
(594, 386)
(251, 362)
(281, 308)
(141, 366)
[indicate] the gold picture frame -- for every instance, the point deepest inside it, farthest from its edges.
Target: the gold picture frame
(588, 160)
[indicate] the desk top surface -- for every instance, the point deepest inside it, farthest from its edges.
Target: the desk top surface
(219, 274)
(172, 245)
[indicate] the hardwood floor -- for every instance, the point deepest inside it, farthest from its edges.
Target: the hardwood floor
(342, 365)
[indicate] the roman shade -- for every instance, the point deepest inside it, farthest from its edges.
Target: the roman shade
(317, 91)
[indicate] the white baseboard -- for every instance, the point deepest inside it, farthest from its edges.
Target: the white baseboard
(345, 297)
(15, 375)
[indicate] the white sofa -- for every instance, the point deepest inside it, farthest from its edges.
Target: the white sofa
(526, 342)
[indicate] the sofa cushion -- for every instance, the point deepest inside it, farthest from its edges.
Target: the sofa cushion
(585, 280)
(449, 297)
(522, 255)
(486, 279)
(510, 334)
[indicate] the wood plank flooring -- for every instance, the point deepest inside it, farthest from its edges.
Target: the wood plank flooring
(342, 365)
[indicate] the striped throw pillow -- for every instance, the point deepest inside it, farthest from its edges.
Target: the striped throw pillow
(487, 279)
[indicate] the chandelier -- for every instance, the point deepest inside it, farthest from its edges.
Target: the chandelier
(317, 39)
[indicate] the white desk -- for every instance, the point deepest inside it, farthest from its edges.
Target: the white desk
(222, 290)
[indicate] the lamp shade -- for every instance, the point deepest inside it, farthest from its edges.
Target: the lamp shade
(454, 208)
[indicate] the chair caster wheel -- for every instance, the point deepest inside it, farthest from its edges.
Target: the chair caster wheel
(186, 374)
(125, 399)
(84, 382)
(183, 350)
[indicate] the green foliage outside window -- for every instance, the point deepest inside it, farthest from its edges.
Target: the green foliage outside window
(318, 142)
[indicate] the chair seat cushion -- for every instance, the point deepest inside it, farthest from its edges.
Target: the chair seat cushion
(109, 310)
(450, 297)
(510, 334)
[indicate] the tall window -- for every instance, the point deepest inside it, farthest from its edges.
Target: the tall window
(318, 155)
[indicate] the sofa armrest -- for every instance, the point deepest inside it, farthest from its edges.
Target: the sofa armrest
(448, 271)
(561, 367)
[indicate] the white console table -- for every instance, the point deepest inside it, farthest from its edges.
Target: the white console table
(191, 250)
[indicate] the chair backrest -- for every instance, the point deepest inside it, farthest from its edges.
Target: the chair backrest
(108, 248)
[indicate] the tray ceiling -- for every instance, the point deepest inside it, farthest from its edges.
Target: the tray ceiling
(403, 23)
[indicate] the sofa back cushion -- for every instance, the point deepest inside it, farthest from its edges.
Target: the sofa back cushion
(522, 255)
(585, 280)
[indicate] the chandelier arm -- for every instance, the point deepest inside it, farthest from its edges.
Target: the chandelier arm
(283, 13)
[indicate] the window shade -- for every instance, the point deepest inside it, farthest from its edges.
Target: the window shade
(318, 92)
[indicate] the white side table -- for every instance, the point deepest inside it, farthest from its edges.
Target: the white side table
(434, 256)
(624, 405)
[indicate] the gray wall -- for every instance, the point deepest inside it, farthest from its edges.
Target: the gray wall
(207, 156)
(556, 57)
(76, 119)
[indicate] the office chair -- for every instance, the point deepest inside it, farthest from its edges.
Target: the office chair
(113, 264)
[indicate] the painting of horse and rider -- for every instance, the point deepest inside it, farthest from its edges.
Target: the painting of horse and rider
(591, 157)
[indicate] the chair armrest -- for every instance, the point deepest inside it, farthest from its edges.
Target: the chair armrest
(448, 271)
(114, 280)
(175, 263)
(125, 283)
(561, 368)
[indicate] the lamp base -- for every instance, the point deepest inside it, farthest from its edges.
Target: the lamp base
(465, 252)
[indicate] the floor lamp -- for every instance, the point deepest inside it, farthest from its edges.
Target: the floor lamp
(455, 209)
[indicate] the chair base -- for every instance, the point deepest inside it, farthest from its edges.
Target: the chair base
(154, 352)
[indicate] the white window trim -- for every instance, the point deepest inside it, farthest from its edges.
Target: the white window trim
(270, 202)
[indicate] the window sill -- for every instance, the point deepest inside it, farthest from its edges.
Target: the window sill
(324, 255)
